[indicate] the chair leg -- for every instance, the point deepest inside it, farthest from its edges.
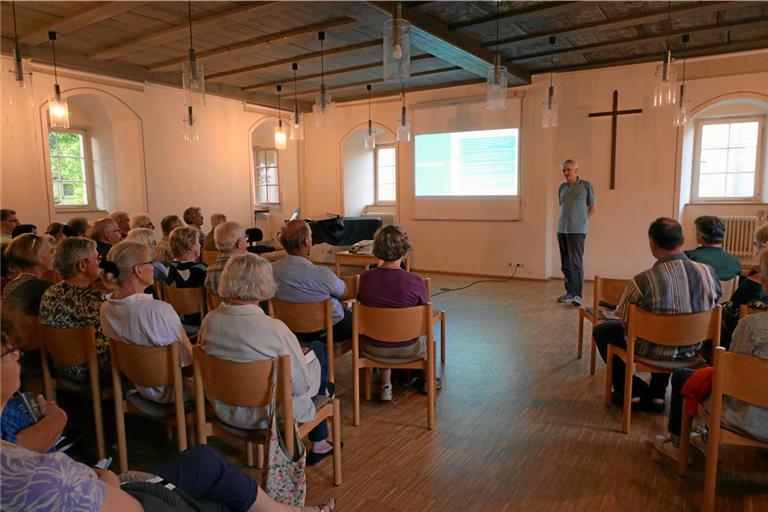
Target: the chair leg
(685, 442)
(431, 391)
(356, 395)
(337, 442)
(367, 378)
(442, 337)
(580, 339)
(710, 472)
(627, 411)
(249, 454)
(592, 357)
(608, 373)
(331, 360)
(260, 456)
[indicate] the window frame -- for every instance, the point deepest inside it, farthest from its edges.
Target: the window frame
(760, 165)
(257, 185)
(90, 186)
(376, 200)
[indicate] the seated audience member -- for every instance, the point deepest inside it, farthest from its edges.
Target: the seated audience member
(22, 229)
(185, 270)
(209, 244)
(674, 285)
(141, 220)
(33, 482)
(299, 280)
(147, 237)
(389, 286)
(18, 425)
(751, 338)
(193, 216)
(710, 234)
(77, 226)
(749, 292)
(230, 240)
(106, 234)
(31, 256)
(168, 224)
(57, 230)
(131, 316)
(8, 221)
(123, 223)
(73, 302)
(240, 331)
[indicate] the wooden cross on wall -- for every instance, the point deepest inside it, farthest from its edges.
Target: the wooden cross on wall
(615, 113)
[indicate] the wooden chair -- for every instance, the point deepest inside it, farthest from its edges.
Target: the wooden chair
(438, 316)
(739, 376)
(728, 287)
(745, 310)
(250, 385)
(69, 347)
(148, 367)
(352, 283)
(393, 325)
(31, 374)
(606, 290)
(185, 301)
(212, 300)
(209, 257)
(668, 330)
(311, 317)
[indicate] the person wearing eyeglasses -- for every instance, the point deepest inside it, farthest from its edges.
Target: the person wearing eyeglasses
(30, 256)
(73, 302)
(105, 233)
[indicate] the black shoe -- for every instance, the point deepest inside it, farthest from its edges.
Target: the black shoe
(315, 458)
(617, 399)
(652, 405)
(330, 389)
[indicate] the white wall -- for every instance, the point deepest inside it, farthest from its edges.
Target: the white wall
(358, 174)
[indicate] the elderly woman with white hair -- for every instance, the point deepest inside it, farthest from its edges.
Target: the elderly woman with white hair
(230, 240)
(239, 330)
(141, 220)
(148, 238)
(131, 316)
(30, 256)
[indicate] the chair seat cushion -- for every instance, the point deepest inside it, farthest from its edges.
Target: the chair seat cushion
(694, 362)
(391, 360)
(154, 409)
(257, 435)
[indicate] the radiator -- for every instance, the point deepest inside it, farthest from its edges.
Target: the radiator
(386, 217)
(740, 234)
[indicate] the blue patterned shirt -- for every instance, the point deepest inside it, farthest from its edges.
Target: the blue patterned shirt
(15, 418)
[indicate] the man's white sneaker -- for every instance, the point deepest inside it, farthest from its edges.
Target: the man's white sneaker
(669, 445)
(576, 300)
(386, 393)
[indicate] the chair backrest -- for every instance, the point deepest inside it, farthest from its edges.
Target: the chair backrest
(33, 337)
(303, 318)
(728, 287)
(741, 376)
(352, 283)
(209, 256)
(745, 310)
(213, 300)
(242, 384)
(69, 347)
(609, 290)
(674, 330)
(254, 235)
(147, 366)
(185, 301)
(392, 324)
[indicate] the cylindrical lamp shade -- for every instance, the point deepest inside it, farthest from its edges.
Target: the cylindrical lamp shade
(58, 110)
(297, 126)
(370, 138)
(190, 125)
(397, 49)
(549, 111)
(496, 88)
(323, 110)
(665, 82)
(281, 137)
(404, 127)
(193, 82)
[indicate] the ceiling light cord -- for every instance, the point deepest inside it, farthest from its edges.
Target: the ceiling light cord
(15, 32)
(52, 37)
(189, 18)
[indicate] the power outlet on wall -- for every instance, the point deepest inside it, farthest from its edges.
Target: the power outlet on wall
(511, 264)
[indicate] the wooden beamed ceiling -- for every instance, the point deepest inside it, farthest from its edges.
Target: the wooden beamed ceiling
(247, 47)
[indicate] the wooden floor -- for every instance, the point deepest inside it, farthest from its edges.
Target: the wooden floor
(520, 426)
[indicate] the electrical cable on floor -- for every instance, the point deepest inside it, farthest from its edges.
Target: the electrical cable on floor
(446, 290)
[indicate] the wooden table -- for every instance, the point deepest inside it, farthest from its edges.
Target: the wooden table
(364, 260)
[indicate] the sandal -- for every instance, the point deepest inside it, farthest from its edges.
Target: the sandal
(328, 506)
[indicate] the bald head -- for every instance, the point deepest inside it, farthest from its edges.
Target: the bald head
(296, 237)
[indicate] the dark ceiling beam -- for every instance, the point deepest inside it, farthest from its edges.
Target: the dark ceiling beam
(340, 71)
(672, 36)
(712, 49)
(297, 58)
(687, 9)
(527, 13)
(249, 44)
(83, 18)
(409, 90)
(180, 31)
(433, 36)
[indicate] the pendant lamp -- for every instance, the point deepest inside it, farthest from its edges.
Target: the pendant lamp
(397, 46)
(370, 138)
(297, 127)
(404, 123)
(549, 112)
(193, 83)
(496, 81)
(191, 133)
(324, 107)
(665, 78)
(681, 113)
(16, 79)
(281, 133)
(58, 109)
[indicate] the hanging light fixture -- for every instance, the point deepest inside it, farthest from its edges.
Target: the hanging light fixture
(370, 138)
(297, 127)
(404, 123)
(496, 82)
(18, 70)
(193, 83)
(58, 109)
(681, 114)
(549, 111)
(665, 80)
(281, 132)
(323, 108)
(397, 46)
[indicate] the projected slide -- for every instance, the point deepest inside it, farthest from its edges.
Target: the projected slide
(476, 163)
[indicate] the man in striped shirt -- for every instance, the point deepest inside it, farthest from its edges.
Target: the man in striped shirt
(674, 285)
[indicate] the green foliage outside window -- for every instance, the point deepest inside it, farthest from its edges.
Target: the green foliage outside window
(68, 171)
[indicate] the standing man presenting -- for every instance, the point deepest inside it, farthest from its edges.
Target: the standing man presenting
(577, 204)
